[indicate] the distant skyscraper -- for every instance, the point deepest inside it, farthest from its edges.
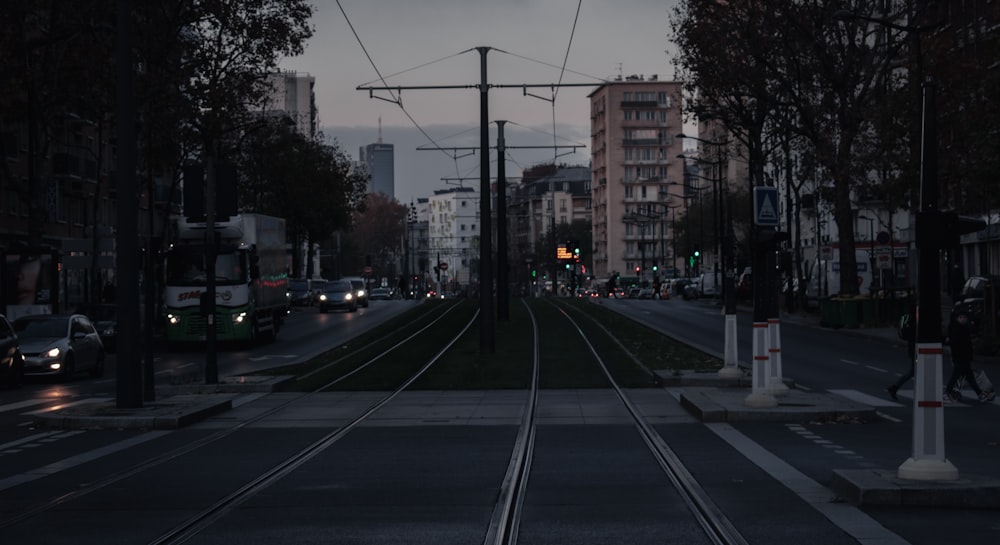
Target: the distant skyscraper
(379, 162)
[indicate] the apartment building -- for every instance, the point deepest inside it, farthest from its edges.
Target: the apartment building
(636, 177)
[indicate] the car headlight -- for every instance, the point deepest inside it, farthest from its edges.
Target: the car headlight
(239, 318)
(361, 293)
(348, 297)
(53, 352)
(322, 297)
(173, 319)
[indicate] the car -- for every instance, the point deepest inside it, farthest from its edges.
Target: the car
(339, 295)
(105, 319)
(380, 294)
(300, 292)
(978, 294)
(646, 293)
(55, 345)
(360, 292)
(317, 286)
(11, 359)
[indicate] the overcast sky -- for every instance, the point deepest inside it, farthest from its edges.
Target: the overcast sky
(433, 43)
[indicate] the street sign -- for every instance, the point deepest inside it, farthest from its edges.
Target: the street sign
(443, 266)
(765, 206)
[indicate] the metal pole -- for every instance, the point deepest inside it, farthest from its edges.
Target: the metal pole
(503, 302)
(486, 319)
(128, 377)
(928, 460)
(211, 355)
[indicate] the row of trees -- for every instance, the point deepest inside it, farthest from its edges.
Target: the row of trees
(829, 91)
(201, 87)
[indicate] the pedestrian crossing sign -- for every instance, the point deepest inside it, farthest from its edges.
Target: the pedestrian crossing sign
(765, 206)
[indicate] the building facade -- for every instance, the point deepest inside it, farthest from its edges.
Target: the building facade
(453, 238)
(636, 177)
(293, 96)
(379, 162)
(535, 208)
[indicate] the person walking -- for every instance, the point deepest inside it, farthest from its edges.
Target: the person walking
(960, 340)
(908, 332)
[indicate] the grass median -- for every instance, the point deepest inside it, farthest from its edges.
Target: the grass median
(632, 351)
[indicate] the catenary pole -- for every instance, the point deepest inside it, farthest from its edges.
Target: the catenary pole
(487, 335)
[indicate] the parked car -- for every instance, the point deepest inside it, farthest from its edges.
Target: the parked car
(380, 294)
(360, 292)
(300, 292)
(11, 359)
(59, 345)
(646, 293)
(338, 295)
(105, 319)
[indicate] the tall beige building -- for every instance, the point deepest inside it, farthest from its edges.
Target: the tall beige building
(637, 180)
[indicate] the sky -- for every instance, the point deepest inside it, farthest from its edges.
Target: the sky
(411, 43)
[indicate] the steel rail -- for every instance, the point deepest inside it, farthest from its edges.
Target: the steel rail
(506, 514)
(192, 446)
(209, 515)
(717, 526)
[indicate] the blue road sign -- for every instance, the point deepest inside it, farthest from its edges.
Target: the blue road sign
(765, 206)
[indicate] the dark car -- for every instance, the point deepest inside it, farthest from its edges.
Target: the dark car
(338, 295)
(979, 295)
(11, 360)
(105, 319)
(380, 294)
(59, 345)
(300, 292)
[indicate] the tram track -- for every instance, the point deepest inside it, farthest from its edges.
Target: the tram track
(505, 523)
(191, 447)
(555, 328)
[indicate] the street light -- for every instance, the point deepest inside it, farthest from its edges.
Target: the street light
(723, 241)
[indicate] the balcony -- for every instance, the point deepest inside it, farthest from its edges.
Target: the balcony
(639, 104)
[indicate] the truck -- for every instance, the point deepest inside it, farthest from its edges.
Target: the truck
(251, 280)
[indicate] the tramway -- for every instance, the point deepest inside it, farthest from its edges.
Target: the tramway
(515, 507)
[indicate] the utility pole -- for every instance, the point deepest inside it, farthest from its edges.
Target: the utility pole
(487, 333)
(503, 297)
(128, 387)
(486, 316)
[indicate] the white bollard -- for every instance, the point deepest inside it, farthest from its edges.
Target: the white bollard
(759, 396)
(775, 383)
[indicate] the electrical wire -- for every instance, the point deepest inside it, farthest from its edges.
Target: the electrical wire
(398, 100)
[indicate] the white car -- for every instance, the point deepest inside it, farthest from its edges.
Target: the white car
(59, 345)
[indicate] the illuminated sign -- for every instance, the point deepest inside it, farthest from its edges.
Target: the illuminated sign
(564, 252)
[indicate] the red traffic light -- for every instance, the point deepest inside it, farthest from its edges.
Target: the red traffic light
(637, 270)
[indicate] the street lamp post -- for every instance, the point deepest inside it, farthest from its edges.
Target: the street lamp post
(730, 368)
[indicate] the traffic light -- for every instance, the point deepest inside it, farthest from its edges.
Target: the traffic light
(637, 270)
(534, 273)
(655, 268)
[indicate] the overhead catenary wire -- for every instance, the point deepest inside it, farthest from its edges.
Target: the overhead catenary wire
(396, 99)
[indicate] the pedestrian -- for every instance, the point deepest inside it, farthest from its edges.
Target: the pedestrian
(908, 332)
(960, 340)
